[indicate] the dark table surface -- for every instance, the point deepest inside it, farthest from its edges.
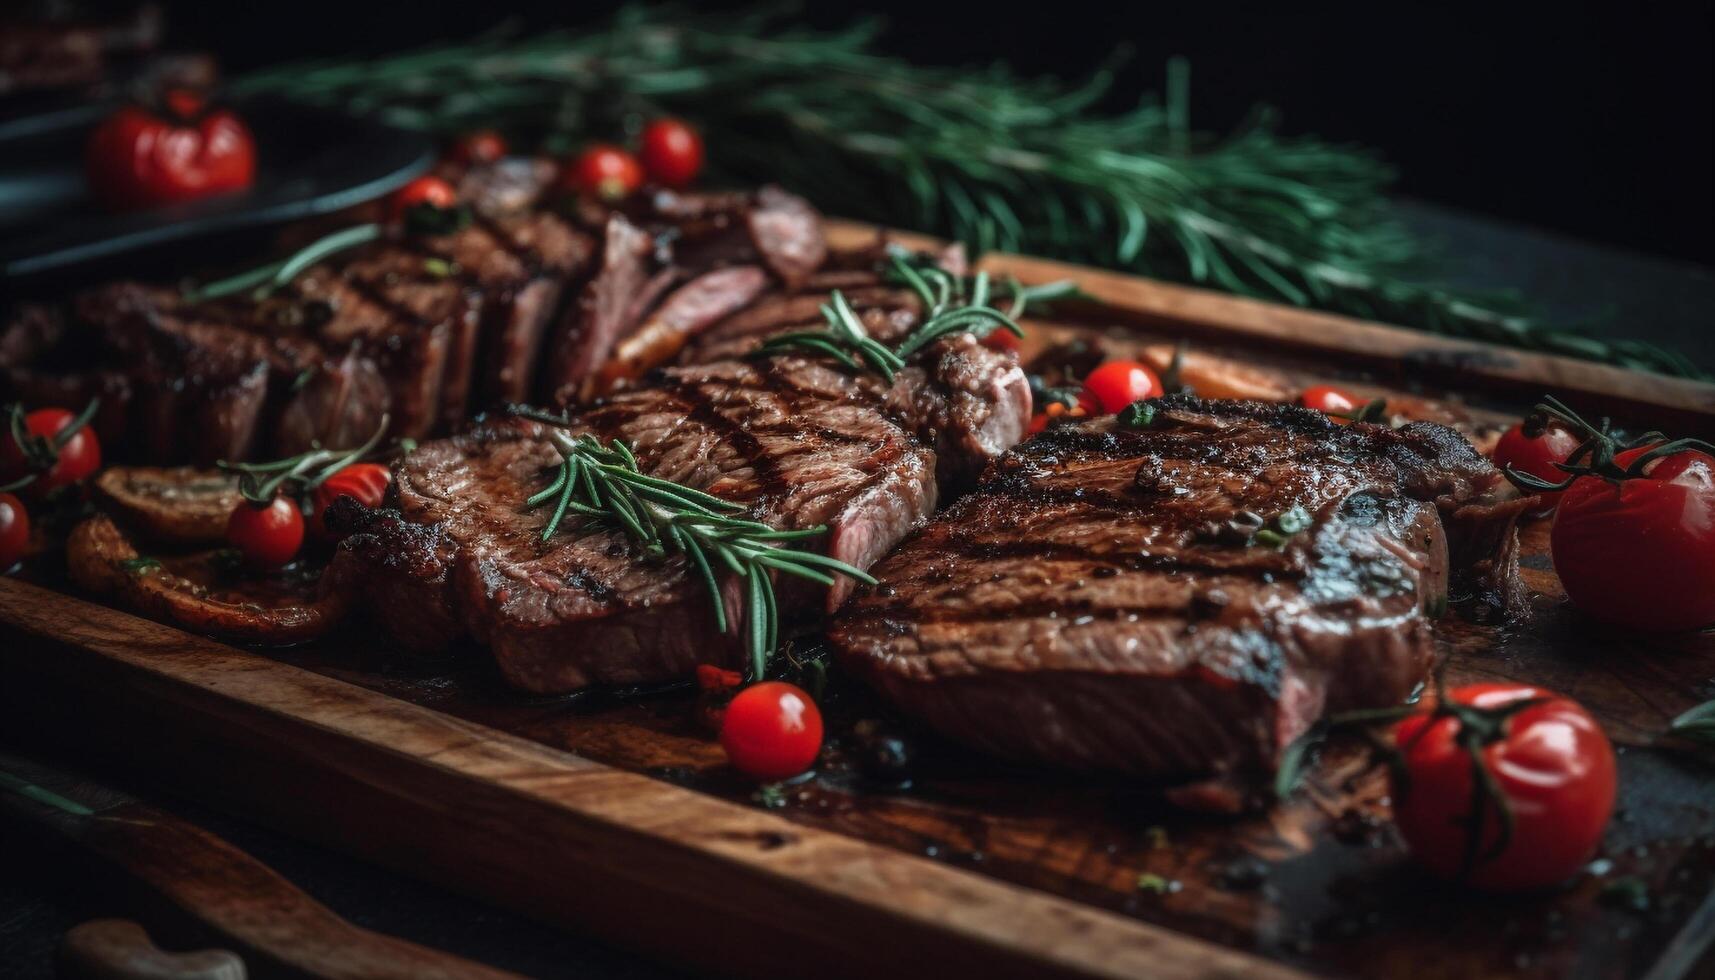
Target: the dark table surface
(1619, 293)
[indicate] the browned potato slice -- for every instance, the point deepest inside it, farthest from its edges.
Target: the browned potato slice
(181, 505)
(202, 592)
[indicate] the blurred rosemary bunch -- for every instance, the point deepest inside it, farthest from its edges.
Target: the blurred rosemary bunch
(983, 155)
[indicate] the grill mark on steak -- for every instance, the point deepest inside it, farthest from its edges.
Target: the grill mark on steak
(1062, 583)
(587, 606)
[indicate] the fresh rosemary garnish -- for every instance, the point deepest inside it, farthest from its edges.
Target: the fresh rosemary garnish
(983, 156)
(1698, 723)
(845, 341)
(261, 482)
(421, 219)
(1137, 415)
(950, 305)
(603, 483)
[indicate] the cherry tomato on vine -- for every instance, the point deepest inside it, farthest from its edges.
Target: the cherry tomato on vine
(267, 535)
(672, 152)
(1551, 765)
(141, 157)
(1329, 399)
(1534, 448)
(1116, 384)
(14, 530)
(603, 171)
(1640, 552)
(364, 482)
(432, 191)
(482, 146)
(772, 731)
(58, 454)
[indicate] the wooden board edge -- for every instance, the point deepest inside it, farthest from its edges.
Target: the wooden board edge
(738, 884)
(1410, 354)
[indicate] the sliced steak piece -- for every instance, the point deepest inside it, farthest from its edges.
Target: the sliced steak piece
(336, 403)
(800, 442)
(1100, 602)
(410, 320)
(198, 385)
(507, 187)
(887, 313)
(606, 310)
(787, 232)
(521, 264)
(686, 312)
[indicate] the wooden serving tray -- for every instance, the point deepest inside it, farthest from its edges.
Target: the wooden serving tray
(617, 815)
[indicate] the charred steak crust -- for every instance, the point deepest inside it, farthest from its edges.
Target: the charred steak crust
(797, 440)
(1095, 604)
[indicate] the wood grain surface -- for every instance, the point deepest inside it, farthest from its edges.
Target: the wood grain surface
(617, 813)
(200, 889)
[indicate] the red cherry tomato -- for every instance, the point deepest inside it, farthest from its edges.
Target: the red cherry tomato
(139, 158)
(604, 171)
(772, 731)
(1550, 761)
(267, 536)
(77, 457)
(1116, 384)
(364, 482)
(1001, 340)
(14, 530)
(1641, 553)
(482, 146)
(672, 152)
(432, 191)
(1329, 399)
(712, 678)
(1534, 449)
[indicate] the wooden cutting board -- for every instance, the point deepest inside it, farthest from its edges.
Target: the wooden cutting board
(616, 815)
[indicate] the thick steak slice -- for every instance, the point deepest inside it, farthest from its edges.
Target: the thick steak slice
(198, 386)
(686, 312)
(409, 319)
(521, 264)
(608, 308)
(1099, 601)
(801, 443)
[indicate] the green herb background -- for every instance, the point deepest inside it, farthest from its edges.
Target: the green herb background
(982, 155)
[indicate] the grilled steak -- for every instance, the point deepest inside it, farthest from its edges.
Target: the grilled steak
(608, 307)
(1106, 600)
(521, 265)
(802, 443)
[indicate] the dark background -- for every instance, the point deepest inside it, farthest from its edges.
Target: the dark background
(1593, 120)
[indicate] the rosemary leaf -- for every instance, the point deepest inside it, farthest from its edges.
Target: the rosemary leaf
(984, 156)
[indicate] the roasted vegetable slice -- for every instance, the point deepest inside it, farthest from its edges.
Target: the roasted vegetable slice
(178, 505)
(205, 592)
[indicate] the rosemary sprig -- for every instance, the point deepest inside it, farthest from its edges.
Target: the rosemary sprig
(603, 483)
(1698, 723)
(265, 279)
(422, 219)
(949, 306)
(845, 341)
(985, 156)
(261, 482)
